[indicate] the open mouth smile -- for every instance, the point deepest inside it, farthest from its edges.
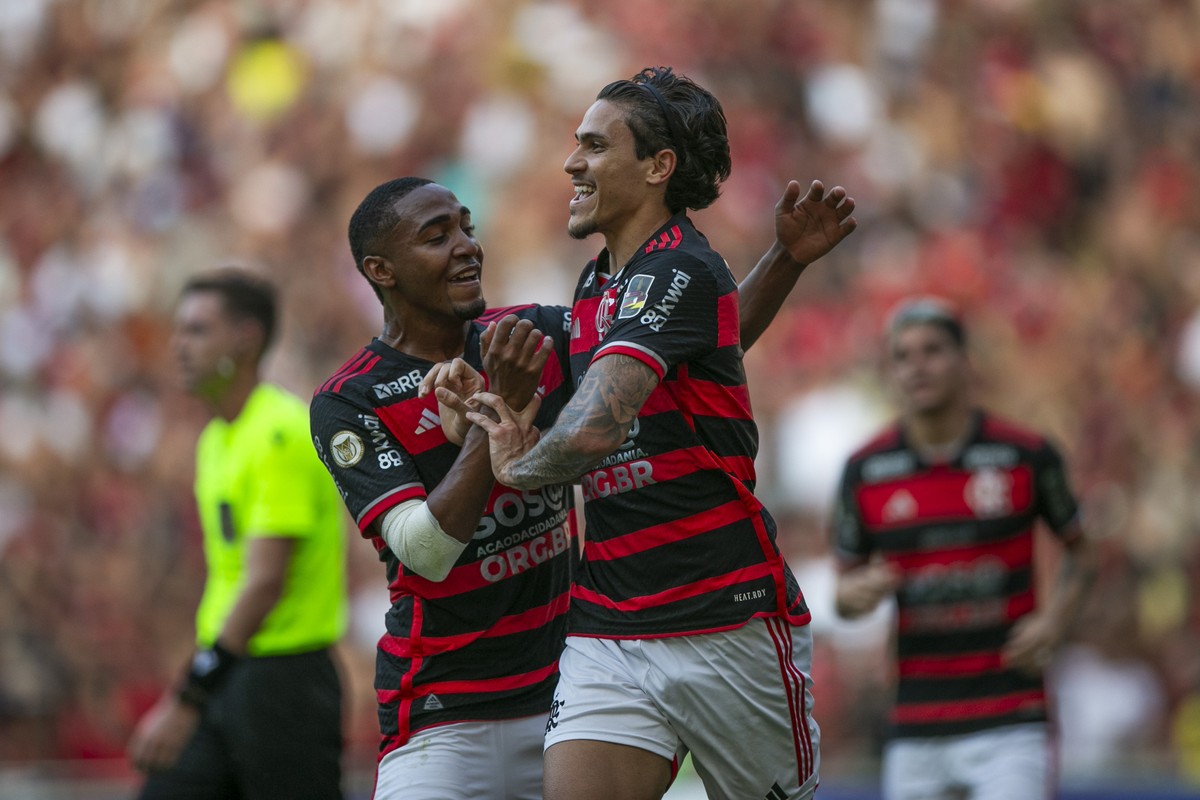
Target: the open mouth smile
(582, 192)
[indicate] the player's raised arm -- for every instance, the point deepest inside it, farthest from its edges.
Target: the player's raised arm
(806, 228)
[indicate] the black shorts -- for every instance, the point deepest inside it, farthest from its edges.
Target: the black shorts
(272, 730)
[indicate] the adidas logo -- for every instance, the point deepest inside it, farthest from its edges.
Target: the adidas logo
(433, 704)
(776, 793)
(428, 422)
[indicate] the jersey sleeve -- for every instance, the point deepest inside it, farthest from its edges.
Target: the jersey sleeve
(1056, 503)
(555, 322)
(667, 314)
(279, 504)
(372, 472)
(850, 540)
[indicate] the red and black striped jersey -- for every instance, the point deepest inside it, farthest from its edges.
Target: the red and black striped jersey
(677, 543)
(484, 643)
(962, 533)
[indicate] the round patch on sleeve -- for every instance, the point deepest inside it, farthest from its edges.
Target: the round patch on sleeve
(347, 448)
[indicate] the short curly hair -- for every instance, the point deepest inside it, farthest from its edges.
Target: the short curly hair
(375, 216)
(671, 112)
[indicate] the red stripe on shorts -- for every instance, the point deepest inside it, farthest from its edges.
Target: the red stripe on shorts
(793, 680)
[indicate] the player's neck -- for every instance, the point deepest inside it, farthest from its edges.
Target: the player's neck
(431, 341)
(623, 242)
(939, 435)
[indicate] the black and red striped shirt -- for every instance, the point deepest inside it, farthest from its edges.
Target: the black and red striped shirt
(677, 543)
(962, 533)
(484, 643)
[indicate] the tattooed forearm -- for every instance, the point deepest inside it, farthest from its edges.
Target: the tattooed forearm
(592, 425)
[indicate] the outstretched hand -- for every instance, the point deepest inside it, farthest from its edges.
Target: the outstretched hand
(808, 227)
(514, 353)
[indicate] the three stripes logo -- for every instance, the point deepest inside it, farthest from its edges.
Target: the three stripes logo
(432, 703)
(428, 421)
(776, 793)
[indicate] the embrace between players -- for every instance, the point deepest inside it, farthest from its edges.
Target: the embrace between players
(515, 663)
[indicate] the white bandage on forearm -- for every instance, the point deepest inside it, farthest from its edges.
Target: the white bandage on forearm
(414, 535)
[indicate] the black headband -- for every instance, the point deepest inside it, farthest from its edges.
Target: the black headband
(676, 139)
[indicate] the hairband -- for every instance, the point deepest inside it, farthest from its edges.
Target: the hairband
(676, 139)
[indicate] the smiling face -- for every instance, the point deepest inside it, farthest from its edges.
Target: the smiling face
(611, 183)
(430, 264)
(929, 368)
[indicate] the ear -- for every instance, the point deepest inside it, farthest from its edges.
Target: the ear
(662, 167)
(380, 272)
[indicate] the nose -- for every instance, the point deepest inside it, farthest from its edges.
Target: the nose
(468, 246)
(574, 162)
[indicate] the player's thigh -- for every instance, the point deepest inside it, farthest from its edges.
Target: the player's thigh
(520, 756)
(204, 771)
(284, 727)
(741, 701)
(1013, 761)
(582, 769)
(467, 761)
(606, 737)
(915, 769)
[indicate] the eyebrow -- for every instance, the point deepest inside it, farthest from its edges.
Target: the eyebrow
(590, 136)
(442, 219)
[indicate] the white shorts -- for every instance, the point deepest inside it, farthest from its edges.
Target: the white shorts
(997, 764)
(467, 761)
(740, 701)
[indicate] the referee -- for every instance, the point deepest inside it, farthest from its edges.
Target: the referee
(257, 712)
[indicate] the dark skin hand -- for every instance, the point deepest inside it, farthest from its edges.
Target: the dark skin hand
(806, 228)
(514, 354)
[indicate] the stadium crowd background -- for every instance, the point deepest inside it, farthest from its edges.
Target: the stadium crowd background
(1038, 161)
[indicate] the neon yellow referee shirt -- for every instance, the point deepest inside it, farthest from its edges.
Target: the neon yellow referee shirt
(260, 476)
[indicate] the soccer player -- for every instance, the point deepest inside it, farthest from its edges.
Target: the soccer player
(685, 622)
(939, 510)
(479, 573)
(258, 711)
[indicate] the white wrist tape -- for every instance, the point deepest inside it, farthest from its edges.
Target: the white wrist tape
(414, 535)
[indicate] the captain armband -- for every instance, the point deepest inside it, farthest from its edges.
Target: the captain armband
(414, 535)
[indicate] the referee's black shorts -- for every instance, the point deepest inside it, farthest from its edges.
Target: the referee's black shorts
(272, 730)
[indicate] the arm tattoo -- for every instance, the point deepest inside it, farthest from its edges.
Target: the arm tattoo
(592, 425)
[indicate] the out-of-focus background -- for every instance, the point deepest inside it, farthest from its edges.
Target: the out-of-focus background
(1038, 161)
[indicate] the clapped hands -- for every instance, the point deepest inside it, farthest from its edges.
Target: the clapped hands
(452, 379)
(514, 353)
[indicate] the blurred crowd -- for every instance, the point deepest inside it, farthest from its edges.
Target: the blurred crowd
(1036, 161)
